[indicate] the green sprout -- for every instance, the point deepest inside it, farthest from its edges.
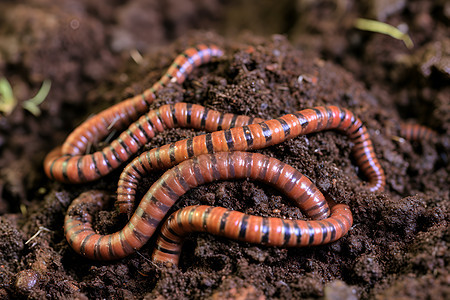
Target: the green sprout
(32, 105)
(383, 28)
(8, 102)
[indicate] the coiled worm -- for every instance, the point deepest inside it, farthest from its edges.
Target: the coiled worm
(199, 170)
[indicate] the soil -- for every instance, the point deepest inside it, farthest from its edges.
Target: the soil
(99, 53)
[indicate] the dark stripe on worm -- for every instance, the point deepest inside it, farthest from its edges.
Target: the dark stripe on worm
(197, 173)
(97, 252)
(174, 117)
(168, 240)
(204, 116)
(233, 121)
(298, 233)
(285, 126)
(311, 234)
(209, 143)
(332, 230)
(85, 240)
(329, 117)
(146, 218)
(302, 119)
(319, 118)
(220, 122)
(248, 136)
(243, 226)
(172, 195)
(172, 152)
(324, 231)
(287, 232)
(191, 215)
(223, 221)
(79, 170)
(124, 146)
(164, 250)
(205, 217)
(181, 179)
(158, 157)
(200, 218)
(97, 171)
(215, 171)
(267, 133)
(190, 147)
(64, 168)
(188, 113)
(229, 139)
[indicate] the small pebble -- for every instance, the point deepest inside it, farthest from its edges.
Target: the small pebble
(26, 281)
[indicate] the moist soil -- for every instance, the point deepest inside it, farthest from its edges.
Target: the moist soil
(97, 54)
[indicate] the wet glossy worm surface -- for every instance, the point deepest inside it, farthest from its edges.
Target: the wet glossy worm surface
(83, 168)
(197, 160)
(70, 163)
(253, 229)
(191, 173)
(254, 136)
(416, 132)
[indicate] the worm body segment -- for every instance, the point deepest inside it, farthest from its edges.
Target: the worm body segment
(255, 136)
(70, 163)
(83, 168)
(416, 132)
(199, 170)
(253, 229)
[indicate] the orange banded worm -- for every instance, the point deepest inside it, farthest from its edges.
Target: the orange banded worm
(82, 168)
(415, 132)
(254, 136)
(71, 155)
(253, 229)
(204, 169)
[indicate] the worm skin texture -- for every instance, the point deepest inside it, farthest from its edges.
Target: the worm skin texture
(253, 229)
(415, 132)
(255, 136)
(199, 170)
(69, 162)
(82, 168)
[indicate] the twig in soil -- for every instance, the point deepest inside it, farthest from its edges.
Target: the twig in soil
(398, 139)
(148, 260)
(41, 229)
(383, 28)
(136, 56)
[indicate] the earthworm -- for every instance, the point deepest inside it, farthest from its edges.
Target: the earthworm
(70, 157)
(253, 229)
(415, 132)
(254, 136)
(82, 168)
(199, 170)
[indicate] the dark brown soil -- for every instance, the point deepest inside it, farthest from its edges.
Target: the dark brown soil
(398, 245)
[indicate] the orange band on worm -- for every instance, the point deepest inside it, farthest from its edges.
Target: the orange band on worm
(199, 170)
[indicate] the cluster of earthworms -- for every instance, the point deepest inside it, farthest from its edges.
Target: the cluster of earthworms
(216, 155)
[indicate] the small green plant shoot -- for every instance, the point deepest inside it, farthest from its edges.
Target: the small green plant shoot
(383, 28)
(8, 102)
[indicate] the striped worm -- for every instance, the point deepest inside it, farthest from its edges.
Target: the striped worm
(69, 162)
(415, 132)
(82, 168)
(204, 169)
(249, 137)
(253, 229)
